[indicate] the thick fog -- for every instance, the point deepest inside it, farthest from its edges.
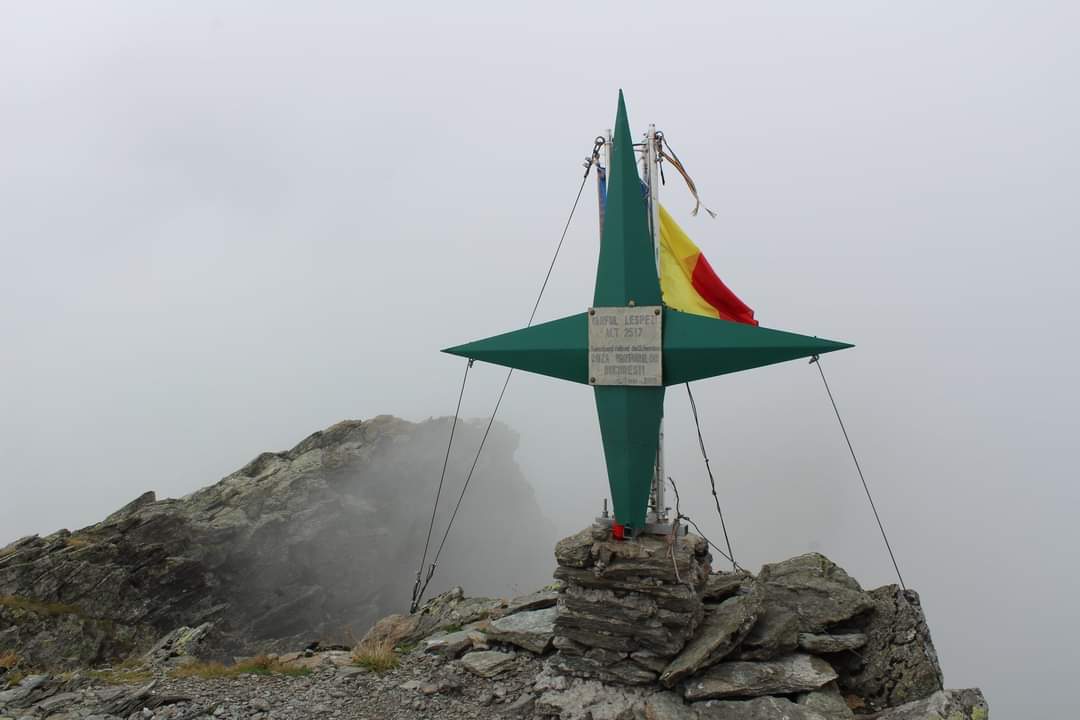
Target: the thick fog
(223, 227)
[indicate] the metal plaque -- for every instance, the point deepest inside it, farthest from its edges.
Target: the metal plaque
(624, 346)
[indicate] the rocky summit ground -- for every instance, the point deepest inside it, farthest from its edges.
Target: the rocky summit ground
(466, 657)
(423, 687)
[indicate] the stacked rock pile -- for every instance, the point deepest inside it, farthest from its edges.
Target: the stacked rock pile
(650, 610)
(626, 609)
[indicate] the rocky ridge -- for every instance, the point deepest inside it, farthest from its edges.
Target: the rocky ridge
(279, 553)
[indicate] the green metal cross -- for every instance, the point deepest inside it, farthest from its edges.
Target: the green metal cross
(694, 346)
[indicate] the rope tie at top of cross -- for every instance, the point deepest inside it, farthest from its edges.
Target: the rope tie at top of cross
(420, 586)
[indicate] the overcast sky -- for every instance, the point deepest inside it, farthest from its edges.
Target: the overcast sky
(222, 229)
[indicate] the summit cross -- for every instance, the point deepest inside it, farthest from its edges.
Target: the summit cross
(629, 345)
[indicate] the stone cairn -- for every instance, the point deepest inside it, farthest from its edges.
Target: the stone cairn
(627, 609)
(802, 635)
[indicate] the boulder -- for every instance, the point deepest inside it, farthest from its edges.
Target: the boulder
(185, 645)
(575, 551)
(898, 663)
(814, 589)
(532, 630)
(942, 705)
(722, 630)
(450, 645)
(791, 674)
(392, 629)
(487, 663)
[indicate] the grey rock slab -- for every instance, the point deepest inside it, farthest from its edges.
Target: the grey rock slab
(532, 629)
(450, 645)
(776, 633)
(58, 701)
(790, 674)
(762, 708)
(590, 700)
(968, 704)
(825, 643)
(814, 589)
(487, 663)
(721, 631)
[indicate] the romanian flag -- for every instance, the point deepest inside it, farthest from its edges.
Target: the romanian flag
(688, 281)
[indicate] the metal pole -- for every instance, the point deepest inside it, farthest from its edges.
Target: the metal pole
(652, 161)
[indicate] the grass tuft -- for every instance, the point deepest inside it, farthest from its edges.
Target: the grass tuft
(259, 665)
(8, 660)
(377, 656)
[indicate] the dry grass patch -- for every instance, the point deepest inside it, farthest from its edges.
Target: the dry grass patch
(8, 660)
(376, 655)
(17, 602)
(259, 665)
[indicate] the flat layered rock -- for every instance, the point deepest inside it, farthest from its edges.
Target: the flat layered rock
(790, 674)
(623, 672)
(825, 643)
(722, 630)
(679, 598)
(533, 601)
(487, 663)
(949, 704)
(532, 629)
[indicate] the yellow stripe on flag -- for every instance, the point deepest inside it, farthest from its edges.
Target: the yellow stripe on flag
(678, 256)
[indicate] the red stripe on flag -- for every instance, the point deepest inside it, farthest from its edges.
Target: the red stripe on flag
(713, 290)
